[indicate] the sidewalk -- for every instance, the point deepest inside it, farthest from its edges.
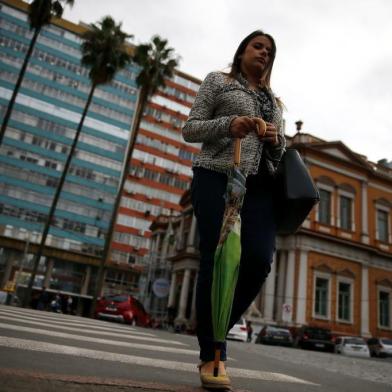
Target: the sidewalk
(12, 380)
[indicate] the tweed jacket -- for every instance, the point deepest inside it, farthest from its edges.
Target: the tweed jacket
(221, 99)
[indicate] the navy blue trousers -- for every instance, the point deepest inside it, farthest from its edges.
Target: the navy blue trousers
(257, 240)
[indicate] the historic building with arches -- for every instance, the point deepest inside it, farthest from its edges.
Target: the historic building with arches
(336, 271)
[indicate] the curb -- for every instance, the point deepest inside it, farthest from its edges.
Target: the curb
(23, 379)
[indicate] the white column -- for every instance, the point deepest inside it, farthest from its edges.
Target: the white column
(290, 271)
(365, 301)
(157, 243)
(172, 291)
(193, 308)
(181, 242)
(192, 232)
(280, 292)
(165, 249)
(270, 292)
(154, 243)
(48, 272)
(338, 217)
(86, 281)
(184, 294)
(301, 289)
(364, 213)
(333, 204)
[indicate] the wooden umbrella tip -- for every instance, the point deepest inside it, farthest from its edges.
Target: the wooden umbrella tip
(216, 362)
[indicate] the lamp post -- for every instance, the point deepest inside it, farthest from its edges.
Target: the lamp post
(24, 257)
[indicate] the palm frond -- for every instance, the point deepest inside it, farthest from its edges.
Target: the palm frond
(104, 50)
(156, 61)
(41, 11)
(57, 9)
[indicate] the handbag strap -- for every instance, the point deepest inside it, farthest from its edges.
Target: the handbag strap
(237, 152)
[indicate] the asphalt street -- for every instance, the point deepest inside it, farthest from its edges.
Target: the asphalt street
(46, 351)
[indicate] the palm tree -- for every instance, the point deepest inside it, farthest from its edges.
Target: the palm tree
(40, 13)
(157, 63)
(104, 51)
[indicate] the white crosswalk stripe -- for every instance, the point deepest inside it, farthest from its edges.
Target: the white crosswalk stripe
(31, 345)
(97, 340)
(42, 326)
(78, 325)
(129, 334)
(99, 324)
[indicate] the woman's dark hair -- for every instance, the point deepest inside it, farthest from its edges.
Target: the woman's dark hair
(236, 65)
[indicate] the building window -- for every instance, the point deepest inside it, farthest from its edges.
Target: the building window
(382, 225)
(384, 306)
(344, 298)
(325, 207)
(321, 297)
(345, 212)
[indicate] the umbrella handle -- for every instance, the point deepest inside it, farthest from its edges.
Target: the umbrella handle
(216, 362)
(237, 152)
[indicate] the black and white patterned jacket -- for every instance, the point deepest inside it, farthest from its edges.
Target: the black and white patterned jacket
(220, 99)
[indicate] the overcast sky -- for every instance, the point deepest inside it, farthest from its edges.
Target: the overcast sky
(334, 61)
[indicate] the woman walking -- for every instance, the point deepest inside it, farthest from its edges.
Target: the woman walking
(239, 104)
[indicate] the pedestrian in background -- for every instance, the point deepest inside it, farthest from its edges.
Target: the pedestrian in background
(69, 305)
(43, 299)
(238, 104)
(55, 305)
(249, 331)
(171, 315)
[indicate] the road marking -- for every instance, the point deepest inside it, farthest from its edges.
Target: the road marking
(71, 319)
(64, 323)
(97, 340)
(67, 317)
(77, 328)
(32, 345)
(129, 336)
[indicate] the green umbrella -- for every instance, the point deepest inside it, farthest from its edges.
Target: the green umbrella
(227, 256)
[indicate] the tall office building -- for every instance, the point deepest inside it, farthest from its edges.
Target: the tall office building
(38, 139)
(35, 147)
(160, 168)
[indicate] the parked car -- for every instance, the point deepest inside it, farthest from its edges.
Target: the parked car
(316, 338)
(380, 347)
(352, 345)
(124, 308)
(271, 334)
(239, 331)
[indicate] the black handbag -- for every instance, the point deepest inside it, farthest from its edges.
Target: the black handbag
(296, 193)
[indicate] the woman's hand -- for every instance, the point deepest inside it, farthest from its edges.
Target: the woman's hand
(241, 126)
(266, 131)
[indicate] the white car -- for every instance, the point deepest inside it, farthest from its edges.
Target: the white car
(352, 345)
(239, 331)
(380, 347)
